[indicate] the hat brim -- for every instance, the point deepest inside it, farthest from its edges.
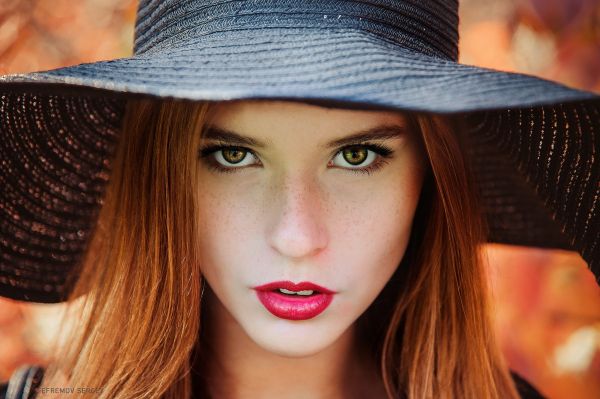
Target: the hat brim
(535, 153)
(344, 66)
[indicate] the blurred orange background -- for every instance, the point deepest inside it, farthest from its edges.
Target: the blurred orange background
(547, 303)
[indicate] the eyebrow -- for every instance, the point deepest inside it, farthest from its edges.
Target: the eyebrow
(383, 132)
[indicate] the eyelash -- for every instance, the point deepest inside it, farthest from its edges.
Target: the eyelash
(383, 151)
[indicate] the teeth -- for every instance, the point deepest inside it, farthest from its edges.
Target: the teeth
(304, 292)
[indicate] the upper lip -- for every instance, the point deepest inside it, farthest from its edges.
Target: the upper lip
(288, 285)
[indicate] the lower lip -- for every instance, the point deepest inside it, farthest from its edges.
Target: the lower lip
(294, 307)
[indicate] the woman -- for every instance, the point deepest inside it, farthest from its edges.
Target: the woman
(321, 247)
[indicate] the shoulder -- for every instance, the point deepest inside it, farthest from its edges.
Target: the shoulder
(3, 389)
(525, 389)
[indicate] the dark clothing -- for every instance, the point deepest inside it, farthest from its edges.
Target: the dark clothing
(525, 389)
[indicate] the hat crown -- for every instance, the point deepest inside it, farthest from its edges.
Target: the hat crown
(429, 27)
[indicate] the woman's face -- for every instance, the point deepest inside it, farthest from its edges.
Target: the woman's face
(302, 193)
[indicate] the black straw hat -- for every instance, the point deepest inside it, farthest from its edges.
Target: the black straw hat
(535, 142)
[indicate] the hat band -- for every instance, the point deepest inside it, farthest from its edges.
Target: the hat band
(429, 27)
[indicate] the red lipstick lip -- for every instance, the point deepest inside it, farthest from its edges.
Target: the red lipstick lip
(294, 307)
(288, 285)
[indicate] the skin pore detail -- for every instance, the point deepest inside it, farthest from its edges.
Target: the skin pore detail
(300, 193)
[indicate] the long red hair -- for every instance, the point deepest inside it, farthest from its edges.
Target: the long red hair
(140, 314)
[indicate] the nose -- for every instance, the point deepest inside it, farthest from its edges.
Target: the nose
(298, 230)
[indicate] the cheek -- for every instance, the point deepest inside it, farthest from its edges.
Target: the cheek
(371, 238)
(228, 232)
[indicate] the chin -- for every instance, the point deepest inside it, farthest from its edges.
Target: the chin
(296, 339)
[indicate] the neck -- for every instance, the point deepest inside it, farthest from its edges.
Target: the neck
(235, 367)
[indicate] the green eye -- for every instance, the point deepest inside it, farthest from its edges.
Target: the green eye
(364, 158)
(233, 155)
(355, 155)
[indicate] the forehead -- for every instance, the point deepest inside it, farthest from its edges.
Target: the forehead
(266, 118)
